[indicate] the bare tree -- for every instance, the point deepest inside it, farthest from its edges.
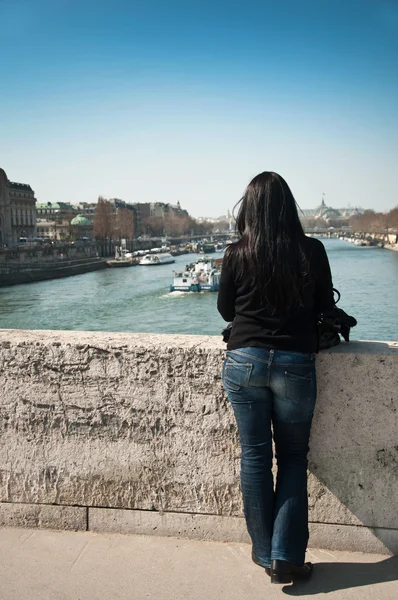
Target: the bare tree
(175, 224)
(366, 222)
(204, 227)
(125, 224)
(222, 225)
(393, 218)
(104, 221)
(153, 226)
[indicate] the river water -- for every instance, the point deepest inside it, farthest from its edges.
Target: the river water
(137, 298)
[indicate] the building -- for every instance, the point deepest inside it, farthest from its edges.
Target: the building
(53, 229)
(327, 213)
(82, 226)
(160, 209)
(86, 209)
(55, 210)
(222, 224)
(133, 217)
(17, 211)
(57, 220)
(53, 219)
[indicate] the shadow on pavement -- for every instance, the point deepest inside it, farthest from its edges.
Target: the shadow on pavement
(329, 577)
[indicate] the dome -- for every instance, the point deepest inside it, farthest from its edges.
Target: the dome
(326, 212)
(81, 221)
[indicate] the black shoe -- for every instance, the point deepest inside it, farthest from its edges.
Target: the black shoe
(267, 569)
(285, 572)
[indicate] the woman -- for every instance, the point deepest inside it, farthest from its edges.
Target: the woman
(274, 282)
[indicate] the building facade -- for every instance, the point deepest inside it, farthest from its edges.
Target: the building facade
(17, 211)
(328, 213)
(53, 220)
(54, 230)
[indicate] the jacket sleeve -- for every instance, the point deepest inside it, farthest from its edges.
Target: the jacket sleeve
(227, 292)
(324, 298)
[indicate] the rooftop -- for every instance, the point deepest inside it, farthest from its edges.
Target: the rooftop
(80, 221)
(54, 206)
(20, 186)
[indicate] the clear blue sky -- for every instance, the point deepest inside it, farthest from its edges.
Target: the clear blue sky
(188, 100)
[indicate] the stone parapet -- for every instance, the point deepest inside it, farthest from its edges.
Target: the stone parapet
(95, 421)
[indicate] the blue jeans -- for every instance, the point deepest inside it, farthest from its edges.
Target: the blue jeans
(274, 387)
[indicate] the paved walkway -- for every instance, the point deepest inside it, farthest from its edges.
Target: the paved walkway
(61, 565)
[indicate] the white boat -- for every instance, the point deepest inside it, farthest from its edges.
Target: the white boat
(200, 276)
(162, 258)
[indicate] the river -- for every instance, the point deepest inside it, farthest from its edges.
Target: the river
(137, 298)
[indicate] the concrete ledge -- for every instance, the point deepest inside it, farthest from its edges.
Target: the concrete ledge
(187, 526)
(348, 537)
(43, 516)
(201, 527)
(233, 529)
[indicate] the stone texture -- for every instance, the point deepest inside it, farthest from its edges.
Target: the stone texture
(43, 516)
(140, 421)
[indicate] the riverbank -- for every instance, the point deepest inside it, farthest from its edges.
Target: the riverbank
(29, 274)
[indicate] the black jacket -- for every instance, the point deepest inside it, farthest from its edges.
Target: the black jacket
(253, 325)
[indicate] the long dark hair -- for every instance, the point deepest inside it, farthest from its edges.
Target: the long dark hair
(271, 246)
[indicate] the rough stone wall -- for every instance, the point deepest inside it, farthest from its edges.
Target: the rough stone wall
(140, 421)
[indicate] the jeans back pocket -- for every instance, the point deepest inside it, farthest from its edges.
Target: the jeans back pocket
(235, 374)
(300, 388)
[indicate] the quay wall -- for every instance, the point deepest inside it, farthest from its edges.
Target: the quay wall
(31, 255)
(387, 240)
(47, 271)
(133, 433)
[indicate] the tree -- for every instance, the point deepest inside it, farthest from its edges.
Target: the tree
(222, 225)
(203, 228)
(124, 224)
(365, 222)
(153, 226)
(393, 218)
(104, 221)
(176, 225)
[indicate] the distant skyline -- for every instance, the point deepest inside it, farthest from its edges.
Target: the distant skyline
(168, 101)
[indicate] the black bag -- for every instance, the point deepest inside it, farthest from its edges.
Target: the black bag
(331, 324)
(226, 333)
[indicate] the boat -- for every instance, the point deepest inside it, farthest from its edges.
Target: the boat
(120, 262)
(122, 258)
(200, 276)
(206, 248)
(162, 258)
